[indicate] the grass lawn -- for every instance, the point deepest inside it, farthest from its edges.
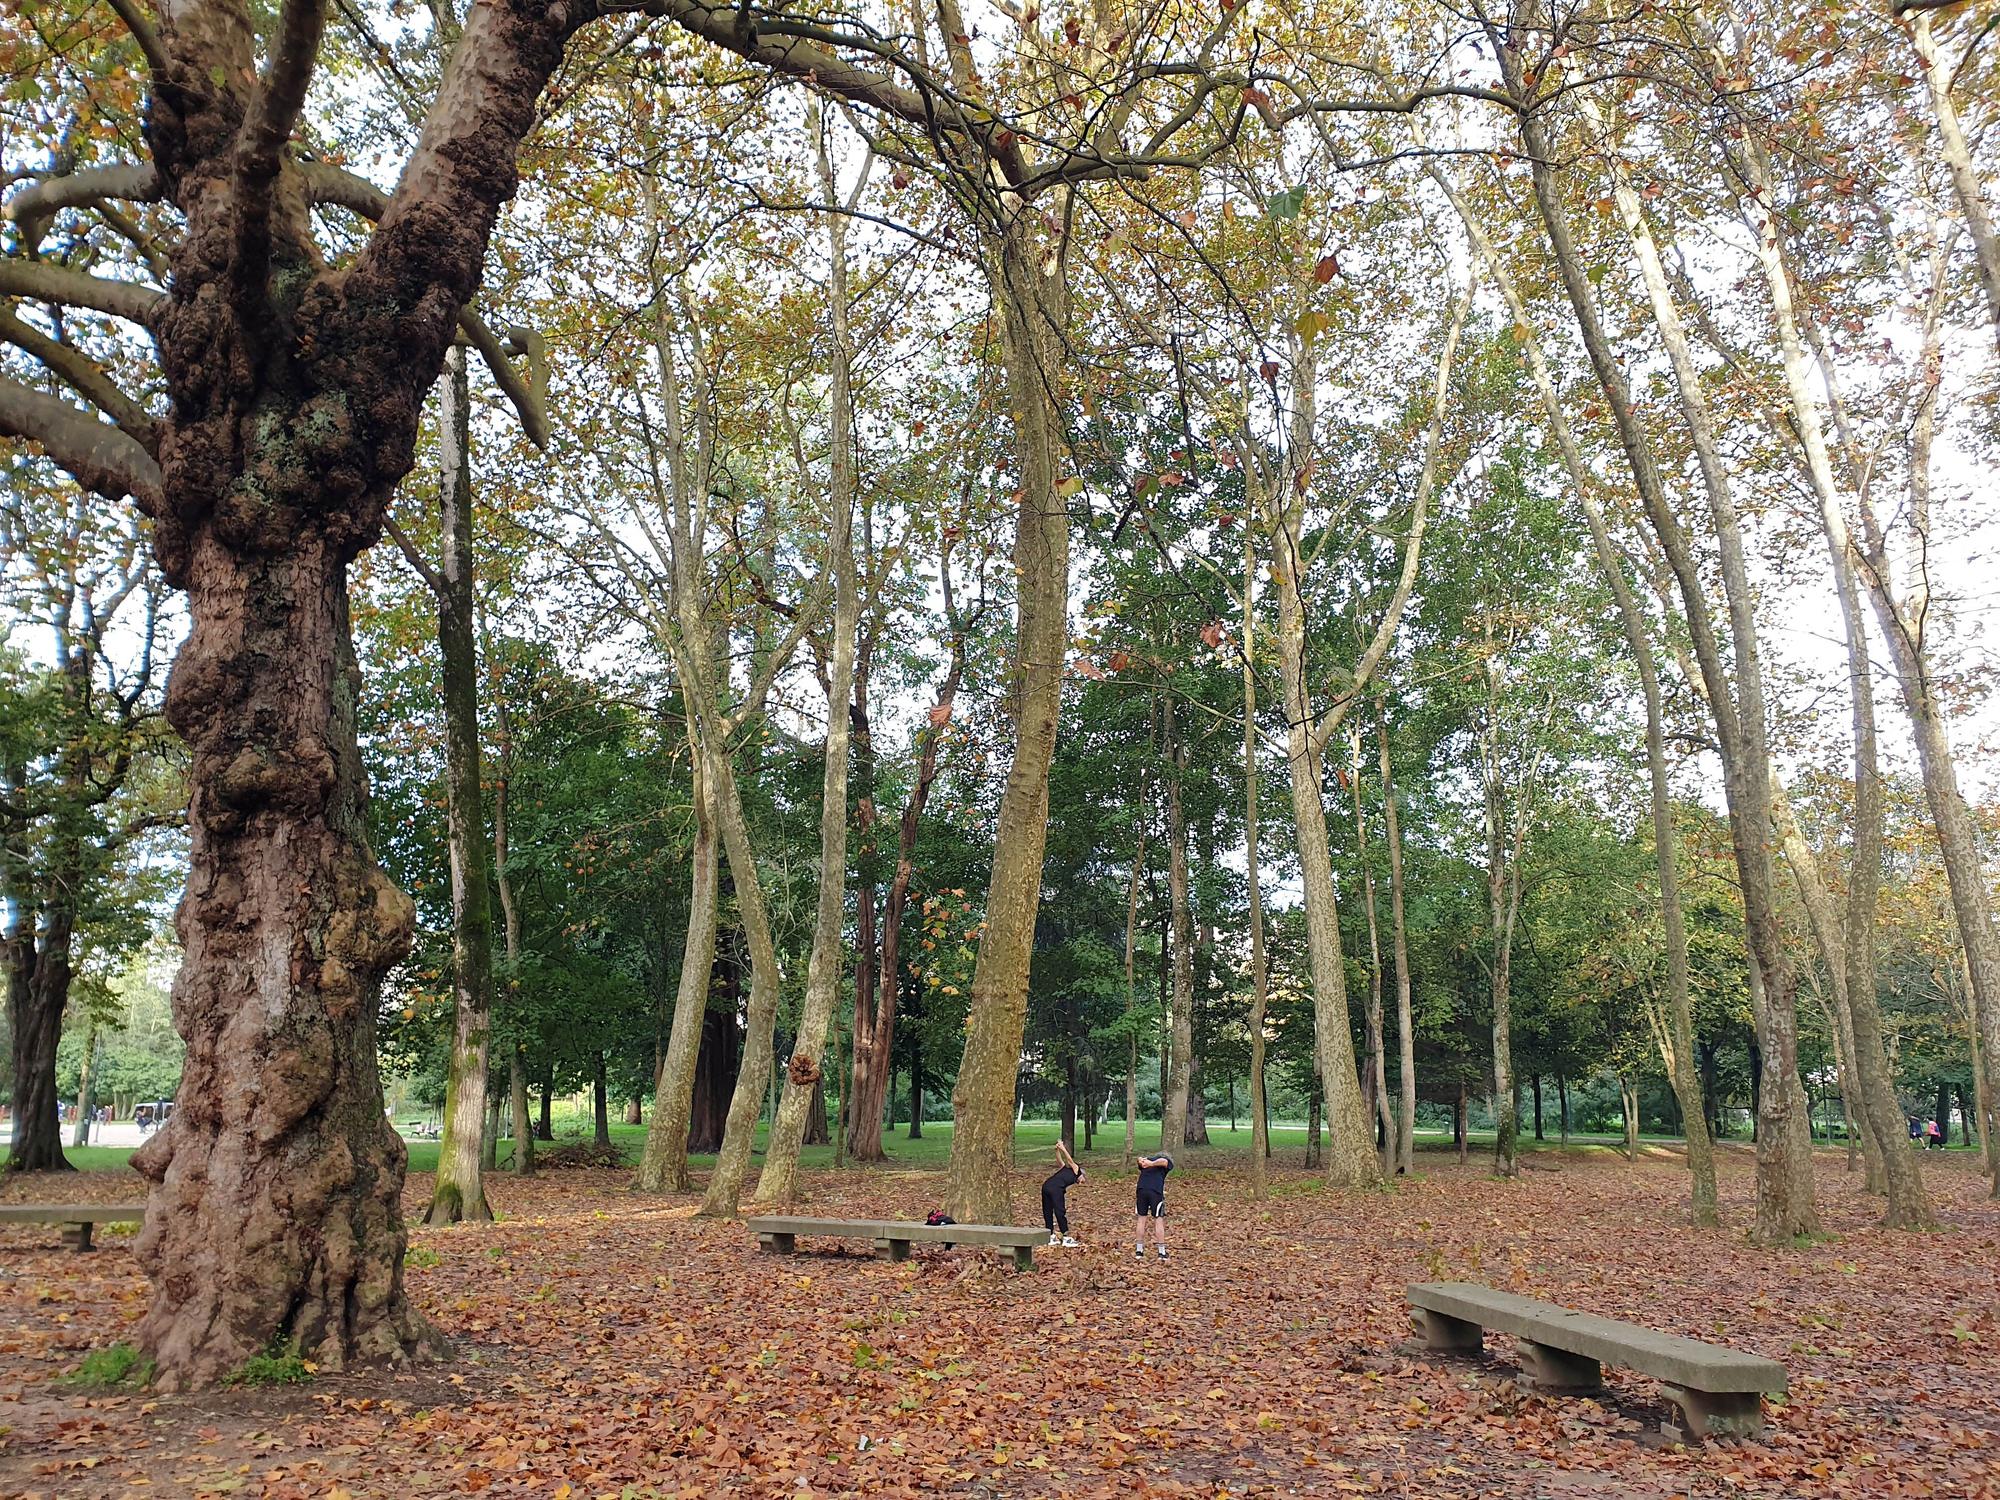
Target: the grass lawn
(1034, 1142)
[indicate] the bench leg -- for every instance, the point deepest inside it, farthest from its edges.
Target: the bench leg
(893, 1249)
(1714, 1414)
(1446, 1335)
(1024, 1257)
(1556, 1372)
(77, 1237)
(775, 1244)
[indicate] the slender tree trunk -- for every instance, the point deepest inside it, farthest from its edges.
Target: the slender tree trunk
(600, 1100)
(1909, 1205)
(1406, 1041)
(1027, 285)
(1957, 152)
(84, 1079)
(779, 1182)
(460, 1191)
(1682, 1073)
(1351, 1159)
(510, 921)
(1785, 1208)
(1180, 1012)
(1131, 990)
(1377, 1048)
(1260, 973)
(732, 1162)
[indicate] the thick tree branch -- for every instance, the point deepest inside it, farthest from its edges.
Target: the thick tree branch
(99, 456)
(274, 112)
(81, 374)
(49, 283)
(34, 206)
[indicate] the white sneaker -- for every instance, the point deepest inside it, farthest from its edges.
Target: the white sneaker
(1055, 1239)
(1068, 1242)
(1163, 1252)
(1139, 1252)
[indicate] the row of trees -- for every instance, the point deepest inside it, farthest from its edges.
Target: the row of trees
(1426, 409)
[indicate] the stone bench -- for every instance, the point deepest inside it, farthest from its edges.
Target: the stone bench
(777, 1233)
(77, 1219)
(1718, 1391)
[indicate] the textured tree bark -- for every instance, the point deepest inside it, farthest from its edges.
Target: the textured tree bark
(1028, 286)
(600, 1100)
(1180, 935)
(460, 1192)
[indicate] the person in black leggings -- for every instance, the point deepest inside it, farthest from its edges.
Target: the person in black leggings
(1055, 1210)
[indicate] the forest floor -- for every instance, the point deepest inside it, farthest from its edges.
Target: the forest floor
(611, 1344)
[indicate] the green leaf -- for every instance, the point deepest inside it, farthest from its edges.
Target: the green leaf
(1286, 205)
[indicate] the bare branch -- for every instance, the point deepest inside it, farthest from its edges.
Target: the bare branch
(81, 374)
(526, 395)
(48, 283)
(281, 95)
(142, 33)
(414, 558)
(34, 206)
(99, 456)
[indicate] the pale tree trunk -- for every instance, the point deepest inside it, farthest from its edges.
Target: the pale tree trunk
(800, 1086)
(1377, 1049)
(1131, 990)
(1679, 1052)
(1957, 152)
(1785, 1208)
(460, 1192)
(1406, 1040)
(1629, 1097)
(510, 922)
(1909, 1206)
(1260, 973)
(1180, 1012)
(746, 1103)
(85, 1069)
(1028, 286)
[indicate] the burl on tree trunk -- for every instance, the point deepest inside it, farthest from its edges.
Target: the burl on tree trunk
(274, 1214)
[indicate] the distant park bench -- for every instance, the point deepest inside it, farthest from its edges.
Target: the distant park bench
(892, 1240)
(1718, 1390)
(77, 1219)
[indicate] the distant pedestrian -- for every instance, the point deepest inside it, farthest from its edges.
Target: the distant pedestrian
(1933, 1135)
(1055, 1197)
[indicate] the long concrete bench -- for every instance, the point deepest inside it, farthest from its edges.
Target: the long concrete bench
(1718, 1391)
(77, 1219)
(777, 1233)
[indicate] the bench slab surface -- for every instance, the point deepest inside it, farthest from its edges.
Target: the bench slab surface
(76, 1218)
(1716, 1389)
(893, 1238)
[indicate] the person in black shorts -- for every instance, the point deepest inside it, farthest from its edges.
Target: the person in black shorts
(1055, 1210)
(1153, 1201)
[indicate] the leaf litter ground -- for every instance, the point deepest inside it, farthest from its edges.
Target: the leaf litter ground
(612, 1344)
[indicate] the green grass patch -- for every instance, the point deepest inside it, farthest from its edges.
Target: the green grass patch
(120, 1364)
(422, 1258)
(281, 1364)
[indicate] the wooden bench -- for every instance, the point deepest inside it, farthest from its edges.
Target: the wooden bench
(1718, 1391)
(776, 1234)
(77, 1219)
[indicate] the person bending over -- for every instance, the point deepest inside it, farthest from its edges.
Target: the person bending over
(1152, 1202)
(1055, 1208)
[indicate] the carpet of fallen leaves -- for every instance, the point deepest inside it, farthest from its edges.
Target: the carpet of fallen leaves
(612, 1344)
